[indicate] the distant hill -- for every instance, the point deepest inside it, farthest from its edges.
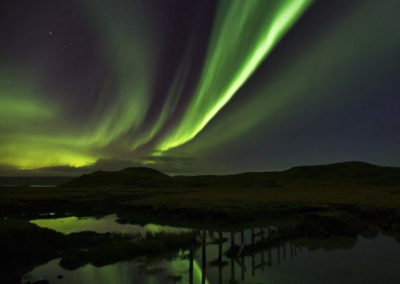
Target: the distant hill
(354, 172)
(129, 177)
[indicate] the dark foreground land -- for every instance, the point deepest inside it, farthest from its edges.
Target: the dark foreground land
(319, 201)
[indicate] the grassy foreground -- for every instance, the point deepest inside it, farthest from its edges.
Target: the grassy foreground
(143, 194)
(242, 196)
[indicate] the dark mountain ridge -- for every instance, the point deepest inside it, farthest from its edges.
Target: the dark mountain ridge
(356, 172)
(129, 177)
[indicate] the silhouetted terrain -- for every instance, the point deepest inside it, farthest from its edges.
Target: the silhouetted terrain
(238, 196)
(343, 199)
(130, 177)
(34, 180)
(355, 172)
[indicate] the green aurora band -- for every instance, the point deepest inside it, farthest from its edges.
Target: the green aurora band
(243, 34)
(269, 104)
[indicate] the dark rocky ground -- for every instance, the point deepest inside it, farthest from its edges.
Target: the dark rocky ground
(347, 199)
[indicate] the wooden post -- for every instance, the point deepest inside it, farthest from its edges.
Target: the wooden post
(252, 265)
(262, 260)
(269, 257)
(279, 255)
(220, 257)
(191, 252)
(291, 249)
(262, 252)
(232, 270)
(219, 247)
(203, 258)
(232, 257)
(242, 259)
(242, 275)
(220, 272)
(284, 251)
(252, 253)
(232, 240)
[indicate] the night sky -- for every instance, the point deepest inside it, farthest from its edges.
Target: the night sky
(194, 87)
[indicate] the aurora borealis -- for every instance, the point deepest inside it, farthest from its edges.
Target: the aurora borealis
(197, 86)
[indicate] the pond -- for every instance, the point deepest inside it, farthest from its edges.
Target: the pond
(73, 224)
(332, 260)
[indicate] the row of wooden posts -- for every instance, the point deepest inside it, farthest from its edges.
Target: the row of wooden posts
(239, 259)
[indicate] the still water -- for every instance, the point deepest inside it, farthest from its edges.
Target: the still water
(334, 260)
(105, 224)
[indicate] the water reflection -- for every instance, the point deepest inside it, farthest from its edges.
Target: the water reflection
(109, 223)
(247, 256)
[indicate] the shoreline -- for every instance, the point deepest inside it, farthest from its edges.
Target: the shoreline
(196, 208)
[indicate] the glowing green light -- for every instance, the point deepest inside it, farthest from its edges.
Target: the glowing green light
(33, 124)
(245, 33)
